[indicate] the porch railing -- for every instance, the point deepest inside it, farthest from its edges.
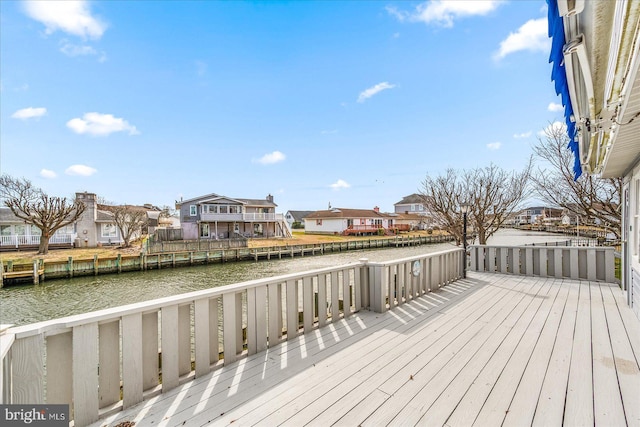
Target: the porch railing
(589, 263)
(22, 240)
(102, 362)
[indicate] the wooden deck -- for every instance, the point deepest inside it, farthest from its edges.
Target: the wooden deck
(488, 350)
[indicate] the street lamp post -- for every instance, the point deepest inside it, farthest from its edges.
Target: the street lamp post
(464, 208)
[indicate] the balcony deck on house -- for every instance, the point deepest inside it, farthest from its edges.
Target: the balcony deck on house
(431, 348)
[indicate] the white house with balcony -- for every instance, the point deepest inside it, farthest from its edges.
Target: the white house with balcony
(214, 216)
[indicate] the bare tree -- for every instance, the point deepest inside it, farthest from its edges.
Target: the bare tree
(35, 207)
(130, 220)
(590, 198)
(491, 193)
(442, 196)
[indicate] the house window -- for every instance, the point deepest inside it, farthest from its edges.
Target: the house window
(204, 230)
(224, 209)
(234, 209)
(420, 207)
(5, 230)
(108, 230)
(318, 222)
(35, 231)
(213, 209)
(193, 210)
(413, 208)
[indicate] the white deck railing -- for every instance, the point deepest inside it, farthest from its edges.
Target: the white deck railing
(17, 241)
(102, 362)
(589, 263)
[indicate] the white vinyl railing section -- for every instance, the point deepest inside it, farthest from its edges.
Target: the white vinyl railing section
(589, 263)
(102, 362)
(24, 240)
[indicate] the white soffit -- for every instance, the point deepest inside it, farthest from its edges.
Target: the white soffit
(625, 149)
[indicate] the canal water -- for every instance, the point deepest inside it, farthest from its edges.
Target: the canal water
(25, 304)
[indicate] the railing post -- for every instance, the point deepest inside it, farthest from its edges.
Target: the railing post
(363, 272)
(6, 342)
(377, 296)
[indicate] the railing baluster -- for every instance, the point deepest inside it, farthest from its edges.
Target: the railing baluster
(307, 303)
(335, 297)
(201, 312)
(591, 264)
(131, 359)
(229, 327)
(169, 332)
(109, 362)
(322, 300)
(59, 369)
(85, 373)
(557, 262)
(292, 309)
(346, 293)
(150, 363)
(261, 318)
(184, 339)
(275, 313)
(214, 336)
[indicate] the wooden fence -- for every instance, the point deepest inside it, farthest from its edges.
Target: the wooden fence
(589, 263)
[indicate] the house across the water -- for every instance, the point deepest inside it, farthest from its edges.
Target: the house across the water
(214, 216)
(352, 222)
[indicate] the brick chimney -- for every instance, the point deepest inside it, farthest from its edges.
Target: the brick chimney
(376, 209)
(269, 198)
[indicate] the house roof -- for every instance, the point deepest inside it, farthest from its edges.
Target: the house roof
(346, 213)
(299, 215)
(406, 216)
(410, 199)
(214, 196)
(6, 216)
(257, 202)
(104, 216)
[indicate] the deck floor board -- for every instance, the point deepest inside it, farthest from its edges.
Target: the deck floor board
(492, 349)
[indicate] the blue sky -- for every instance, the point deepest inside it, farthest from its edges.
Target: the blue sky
(348, 103)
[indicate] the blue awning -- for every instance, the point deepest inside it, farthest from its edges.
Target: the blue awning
(559, 77)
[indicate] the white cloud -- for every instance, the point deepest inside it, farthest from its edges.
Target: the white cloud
(532, 36)
(75, 50)
(551, 128)
(29, 113)
(444, 13)
(100, 124)
(494, 145)
(201, 68)
(340, 184)
(368, 93)
(271, 158)
(49, 174)
(522, 135)
(80, 170)
(71, 16)
(555, 108)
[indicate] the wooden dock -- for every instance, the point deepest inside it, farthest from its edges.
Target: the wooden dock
(492, 349)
